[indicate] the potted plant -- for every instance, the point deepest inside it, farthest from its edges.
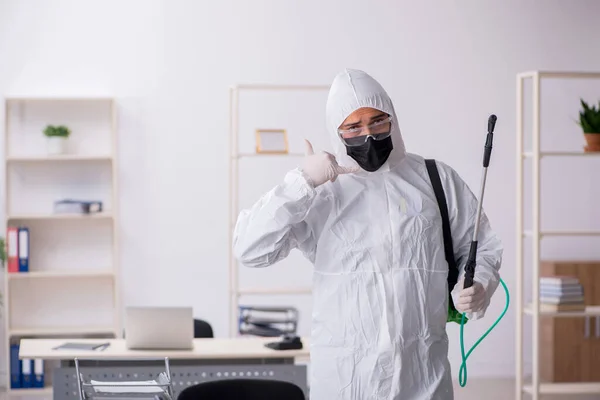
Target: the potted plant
(56, 137)
(589, 120)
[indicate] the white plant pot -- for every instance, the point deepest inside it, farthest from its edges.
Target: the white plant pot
(56, 145)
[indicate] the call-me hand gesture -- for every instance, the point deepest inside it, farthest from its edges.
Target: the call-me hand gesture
(322, 167)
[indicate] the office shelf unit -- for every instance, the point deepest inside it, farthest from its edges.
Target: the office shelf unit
(235, 155)
(535, 388)
(72, 286)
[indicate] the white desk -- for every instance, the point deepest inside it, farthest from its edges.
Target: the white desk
(210, 359)
(235, 348)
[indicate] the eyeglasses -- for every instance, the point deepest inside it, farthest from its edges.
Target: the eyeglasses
(378, 130)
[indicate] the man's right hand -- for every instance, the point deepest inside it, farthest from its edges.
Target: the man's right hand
(322, 167)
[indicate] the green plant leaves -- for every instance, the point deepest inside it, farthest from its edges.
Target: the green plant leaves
(2, 251)
(589, 117)
(60, 131)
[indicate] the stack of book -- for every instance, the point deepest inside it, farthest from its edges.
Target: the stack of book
(561, 293)
(73, 206)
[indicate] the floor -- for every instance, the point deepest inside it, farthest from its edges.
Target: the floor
(501, 389)
(476, 389)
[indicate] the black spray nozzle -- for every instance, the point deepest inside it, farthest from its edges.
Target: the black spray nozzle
(491, 123)
(488, 141)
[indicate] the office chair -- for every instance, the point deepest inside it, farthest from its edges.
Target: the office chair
(202, 329)
(242, 389)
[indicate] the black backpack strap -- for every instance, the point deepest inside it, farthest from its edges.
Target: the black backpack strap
(438, 189)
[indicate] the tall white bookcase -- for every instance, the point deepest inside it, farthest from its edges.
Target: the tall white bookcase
(236, 157)
(72, 286)
(535, 388)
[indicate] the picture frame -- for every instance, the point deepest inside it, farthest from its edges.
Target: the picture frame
(272, 141)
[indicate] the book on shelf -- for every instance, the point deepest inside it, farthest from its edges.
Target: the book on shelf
(18, 248)
(72, 206)
(26, 373)
(559, 280)
(561, 293)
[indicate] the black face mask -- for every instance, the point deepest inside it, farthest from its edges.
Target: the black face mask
(372, 154)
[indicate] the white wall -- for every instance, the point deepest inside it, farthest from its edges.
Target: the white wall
(447, 65)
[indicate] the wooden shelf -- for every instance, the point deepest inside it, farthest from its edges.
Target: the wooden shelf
(560, 74)
(62, 330)
(247, 155)
(546, 341)
(102, 215)
(236, 154)
(102, 273)
(53, 307)
(67, 157)
(45, 391)
(566, 388)
(58, 98)
(565, 232)
(590, 311)
(274, 291)
(562, 154)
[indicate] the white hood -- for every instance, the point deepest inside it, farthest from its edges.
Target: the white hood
(353, 89)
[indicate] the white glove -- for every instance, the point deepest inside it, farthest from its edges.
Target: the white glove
(470, 300)
(322, 167)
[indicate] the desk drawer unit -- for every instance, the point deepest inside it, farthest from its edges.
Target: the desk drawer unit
(184, 373)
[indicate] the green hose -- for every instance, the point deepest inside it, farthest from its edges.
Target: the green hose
(463, 367)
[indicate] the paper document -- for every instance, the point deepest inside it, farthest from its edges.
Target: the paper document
(132, 386)
(82, 346)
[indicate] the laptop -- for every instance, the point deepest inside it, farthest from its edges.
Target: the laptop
(159, 328)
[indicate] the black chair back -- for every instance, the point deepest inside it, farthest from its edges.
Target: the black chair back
(202, 329)
(243, 389)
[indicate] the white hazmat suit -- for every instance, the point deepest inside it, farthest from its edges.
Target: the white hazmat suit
(380, 291)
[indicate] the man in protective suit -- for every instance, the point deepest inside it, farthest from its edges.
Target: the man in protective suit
(367, 218)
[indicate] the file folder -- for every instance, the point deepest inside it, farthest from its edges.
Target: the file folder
(26, 373)
(15, 367)
(267, 321)
(12, 244)
(38, 373)
(23, 249)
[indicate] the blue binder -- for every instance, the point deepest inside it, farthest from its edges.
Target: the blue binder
(38, 373)
(23, 249)
(15, 367)
(26, 373)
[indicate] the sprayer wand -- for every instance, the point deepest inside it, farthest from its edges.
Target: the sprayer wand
(472, 260)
